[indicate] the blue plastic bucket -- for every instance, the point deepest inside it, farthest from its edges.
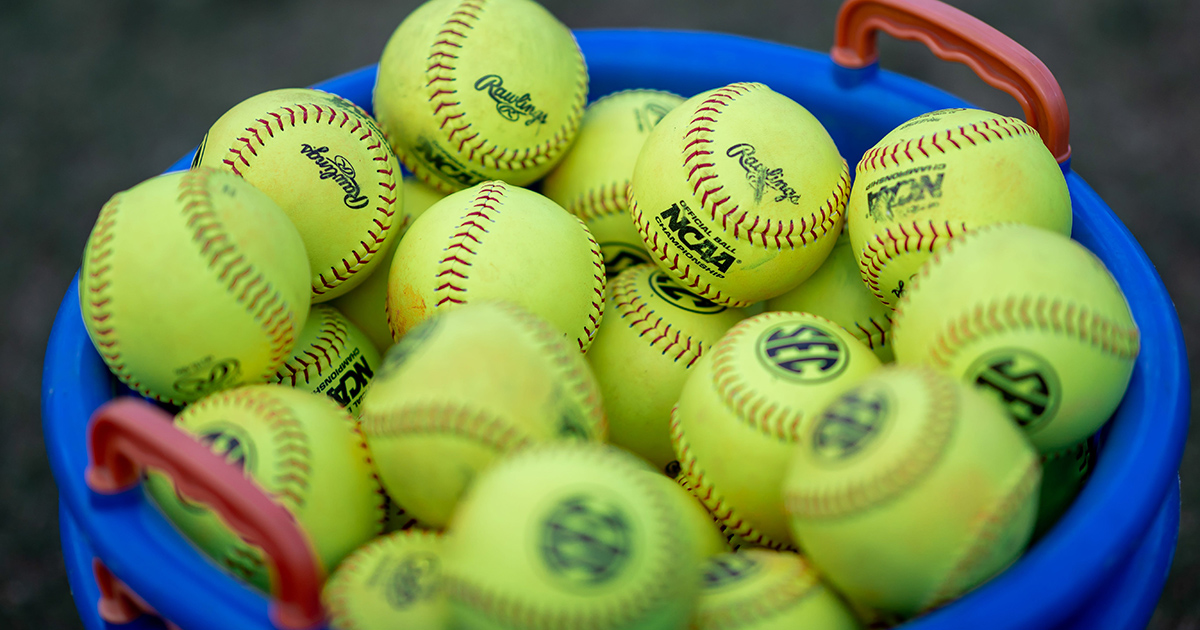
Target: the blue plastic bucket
(1101, 567)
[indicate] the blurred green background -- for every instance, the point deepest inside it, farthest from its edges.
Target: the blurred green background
(98, 96)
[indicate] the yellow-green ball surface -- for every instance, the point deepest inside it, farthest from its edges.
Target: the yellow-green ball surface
(745, 407)
(703, 529)
(939, 175)
(1032, 319)
(758, 589)
(499, 242)
(475, 91)
(836, 292)
(592, 180)
(306, 454)
(570, 536)
(465, 389)
(393, 582)
(192, 283)
(739, 193)
(1063, 476)
(328, 165)
(654, 331)
(366, 304)
(911, 489)
(332, 357)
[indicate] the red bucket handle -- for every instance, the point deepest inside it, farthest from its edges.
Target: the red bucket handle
(954, 35)
(127, 434)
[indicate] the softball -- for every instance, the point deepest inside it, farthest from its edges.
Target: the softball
(738, 193)
(499, 242)
(940, 174)
(331, 357)
(919, 474)
(836, 291)
(745, 406)
(392, 582)
(1031, 318)
(704, 531)
(592, 181)
(757, 589)
(1063, 474)
(569, 536)
(655, 331)
(466, 388)
(305, 453)
(366, 305)
(181, 294)
(475, 90)
(323, 160)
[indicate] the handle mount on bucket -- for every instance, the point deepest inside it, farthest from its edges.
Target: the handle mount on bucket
(956, 36)
(127, 434)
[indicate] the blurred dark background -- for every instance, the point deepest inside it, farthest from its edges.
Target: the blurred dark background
(98, 96)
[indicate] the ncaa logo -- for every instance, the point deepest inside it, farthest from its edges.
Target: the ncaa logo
(666, 288)
(415, 578)
(586, 540)
(1024, 382)
(849, 424)
(803, 352)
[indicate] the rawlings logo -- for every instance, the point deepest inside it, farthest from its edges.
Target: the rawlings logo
(510, 106)
(207, 375)
(760, 176)
(691, 236)
(338, 169)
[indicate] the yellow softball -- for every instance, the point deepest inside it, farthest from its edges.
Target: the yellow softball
(331, 357)
(910, 489)
(392, 582)
(366, 304)
(940, 174)
(466, 388)
(474, 90)
(836, 291)
(738, 193)
(1063, 475)
(746, 405)
(305, 453)
(758, 589)
(570, 536)
(499, 242)
(327, 164)
(592, 181)
(654, 332)
(192, 283)
(1030, 317)
(703, 530)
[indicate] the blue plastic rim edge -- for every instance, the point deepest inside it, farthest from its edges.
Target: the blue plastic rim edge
(1049, 585)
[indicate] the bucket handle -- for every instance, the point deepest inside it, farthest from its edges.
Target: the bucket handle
(954, 35)
(127, 434)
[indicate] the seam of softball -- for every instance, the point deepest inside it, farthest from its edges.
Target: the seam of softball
(599, 284)
(600, 201)
(713, 501)
(882, 247)
(659, 585)
(453, 270)
(773, 418)
(872, 333)
(783, 592)
(331, 338)
(661, 249)
(377, 483)
(285, 117)
(445, 418)
(985, 534)
(336, 593)
(659, 333)
(453, 120)
(999, 128)
(928, 448)
(703, 177)
(570, 365)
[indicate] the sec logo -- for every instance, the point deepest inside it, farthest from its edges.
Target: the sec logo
(1024, 382)
(803, 352)
(665, 287)
(586, 541)
(849, 424)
